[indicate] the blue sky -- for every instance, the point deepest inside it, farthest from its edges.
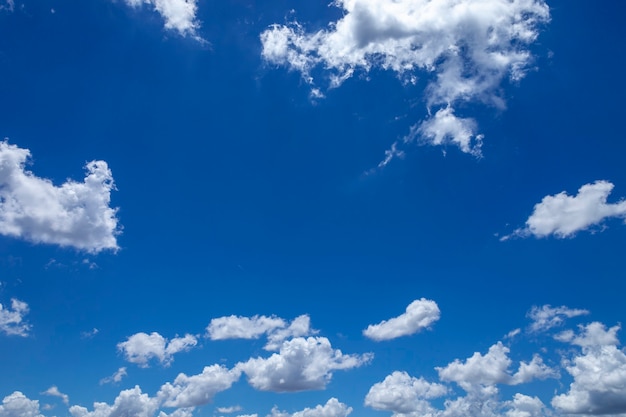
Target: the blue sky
(401, 208)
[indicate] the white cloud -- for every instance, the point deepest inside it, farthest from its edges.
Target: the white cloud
(74, 214)
(196, 390)
(332, 408)
(18, 405)
(403, 394)
(179, 15)
(483, 371)
(90, 334)
(276, 328)
(563, 216)
(229, 410)
(141, 347)
(54, 392)
(599, 373)
(130, 402)
(525, 406)
(116, 377)
(420, 314)
(466, 55)
(12, 320)
(546, 317)
(302, 364)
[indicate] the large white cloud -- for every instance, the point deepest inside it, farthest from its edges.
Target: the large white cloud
(599, 372)
(332, 408)
(18, 405)
(466, 48)
(141, 347)
(276, 328)
(562, 215)
(130, 402)
(546, 317)
(12, 319)
(179, 15)
(74, 214)
(420, 314)
(301, 364)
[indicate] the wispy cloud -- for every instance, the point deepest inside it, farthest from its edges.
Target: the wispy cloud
(12, 319)
(419, 315)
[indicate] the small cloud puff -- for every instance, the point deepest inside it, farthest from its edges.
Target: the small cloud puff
(419, 315)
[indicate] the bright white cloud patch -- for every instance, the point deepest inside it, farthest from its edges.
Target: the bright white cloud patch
(466, 48)
(276, 328)
(403, 394)
(546, 317)
(562, 215)
(302, 364)
(75, 214)
(599, 372)
(141, 347)
(18, 405)
(229, 410)
(179, 15)
(12, 319)
(196, 390)
(332, 408)
(54, 392)
(420, 314)
(130, 402)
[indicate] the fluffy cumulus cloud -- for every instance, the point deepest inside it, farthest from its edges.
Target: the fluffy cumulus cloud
(275, 328)
(196, 390)
(18, 405)
(301, 364)
(140, 348)
(130, 402)
(546, 317)
(599, 373)
(562, 215)
(12, 319)
(332, 408)
(465, 56)
(76, 214)
(179, 15)
(420, 314)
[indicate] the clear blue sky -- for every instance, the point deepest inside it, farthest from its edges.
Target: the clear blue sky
(376, 207)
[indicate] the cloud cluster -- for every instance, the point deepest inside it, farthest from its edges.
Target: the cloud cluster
(141, 347)
(12, 320)
(179, 15)
(546, 317)
(18, 405)
(419, 315)
(332, 408)
(75, 214)
(562, 215)
(465, 48)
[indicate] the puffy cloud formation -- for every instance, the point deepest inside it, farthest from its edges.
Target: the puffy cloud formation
(525, 406)
(74, 214)
(116, 377)
(276, 328)
(141, 347)
(12, 320)
(599, 372)
(179, 15)
(404, 394)
(130, 402)
(54, 392)
(546, 317)
(563, 216)
(301, 364)
(195, 390)
(419, 315)
(18, 405)
(466, 48)
(332, 408)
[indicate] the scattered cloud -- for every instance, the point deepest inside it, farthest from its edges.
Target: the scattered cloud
(18, 405)
(275, 328)
(53, 391)
(546, 317)
(116, 377)
(75, 214)
(7, 5)
(419, 315)
(12, 320)
(179, 15)
(229, 410)
(90, 334)
(141, 347)
(302, 364)
(465, 57)
(563, 216)
(332, 408)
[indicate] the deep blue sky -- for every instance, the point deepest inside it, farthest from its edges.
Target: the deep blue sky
(240, 195)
